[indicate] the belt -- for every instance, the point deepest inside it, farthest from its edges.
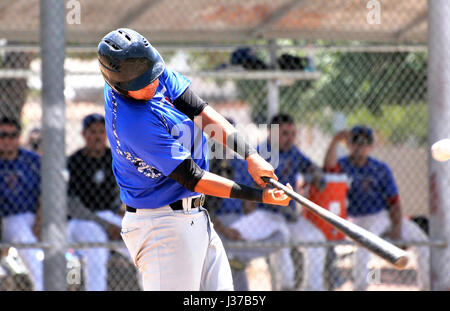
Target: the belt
(178, 205)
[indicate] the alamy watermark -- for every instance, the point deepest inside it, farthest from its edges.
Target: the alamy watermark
(190, 138)
(374, 277)
(73, 276)
(73, 15)
(374, 14)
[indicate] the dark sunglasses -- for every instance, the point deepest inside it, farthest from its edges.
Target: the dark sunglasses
(361, 139)
(9, 135)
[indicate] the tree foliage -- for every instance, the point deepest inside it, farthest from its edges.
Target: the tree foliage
(353, 80)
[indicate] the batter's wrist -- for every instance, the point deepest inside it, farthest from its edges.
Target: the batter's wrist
(243, 192)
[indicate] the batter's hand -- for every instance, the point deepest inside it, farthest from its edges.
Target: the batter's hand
(276, 196)
(258, 167)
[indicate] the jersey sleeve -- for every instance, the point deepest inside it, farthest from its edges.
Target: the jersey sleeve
(190, 104)
(305, 164)
(388, 184)
(175, 83)
(159, 149)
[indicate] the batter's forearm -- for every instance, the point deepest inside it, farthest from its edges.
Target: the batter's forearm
(192, 177)
(222, 131)
(218, 186)
(214, 185)
(209, 119)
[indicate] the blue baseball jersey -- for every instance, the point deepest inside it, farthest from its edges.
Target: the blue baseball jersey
(372, 186)
(20, 181)
(241, 175)
(149, 139)
(290, 163)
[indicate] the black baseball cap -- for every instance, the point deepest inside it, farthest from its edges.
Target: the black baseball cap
(282, 118)
(10, 121)
(91, 118)
(361, 135)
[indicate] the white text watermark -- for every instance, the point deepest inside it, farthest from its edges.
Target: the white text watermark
(374, 14)
(73, 15)
(190, 138)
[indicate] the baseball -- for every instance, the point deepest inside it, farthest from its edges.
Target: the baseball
(440, 150)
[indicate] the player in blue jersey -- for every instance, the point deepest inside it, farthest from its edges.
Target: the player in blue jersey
(226, 213)
(155, 123)
(19, 196)
(373, 199)
(292, 163)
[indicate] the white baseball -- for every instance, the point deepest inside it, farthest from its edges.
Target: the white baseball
(440, 150)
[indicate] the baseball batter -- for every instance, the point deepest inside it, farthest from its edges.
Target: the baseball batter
(154, 123)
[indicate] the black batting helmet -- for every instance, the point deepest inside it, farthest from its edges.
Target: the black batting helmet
(128, 62)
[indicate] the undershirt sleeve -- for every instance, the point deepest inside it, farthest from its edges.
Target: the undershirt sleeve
(190, 103)
(187, 174)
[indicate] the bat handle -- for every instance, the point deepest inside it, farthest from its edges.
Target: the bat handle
(267, 179)
(276, 184)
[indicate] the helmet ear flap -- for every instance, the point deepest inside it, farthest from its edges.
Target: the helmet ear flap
(120, 90)
(117, 88)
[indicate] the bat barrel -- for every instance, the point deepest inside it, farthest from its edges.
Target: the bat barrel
(367, 239)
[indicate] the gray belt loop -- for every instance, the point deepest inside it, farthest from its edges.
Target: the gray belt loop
(190, 202)
(187, 203)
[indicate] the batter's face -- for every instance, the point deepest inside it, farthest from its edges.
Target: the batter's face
(95, 137)
(145, 93)
(9, 141)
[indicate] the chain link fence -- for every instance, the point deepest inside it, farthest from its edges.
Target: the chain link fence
(314, 88)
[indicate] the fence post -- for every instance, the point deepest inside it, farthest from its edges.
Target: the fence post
(439, 127)
(52, 38)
